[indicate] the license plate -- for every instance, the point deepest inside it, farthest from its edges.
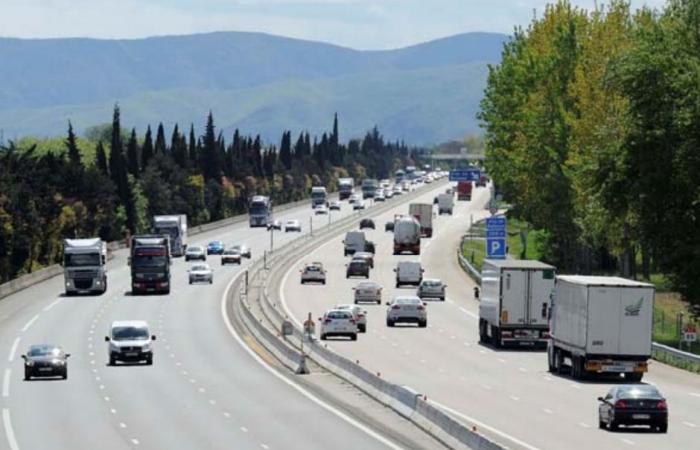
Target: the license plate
(640, 416)
(45, 369)
(131, 354)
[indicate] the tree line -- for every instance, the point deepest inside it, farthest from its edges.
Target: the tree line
(593, 130)
(56, 193)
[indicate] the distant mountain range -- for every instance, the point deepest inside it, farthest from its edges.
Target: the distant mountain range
(259, 83)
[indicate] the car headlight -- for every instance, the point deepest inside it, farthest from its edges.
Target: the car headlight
(146, 348)
(58, 362)
(30, 363)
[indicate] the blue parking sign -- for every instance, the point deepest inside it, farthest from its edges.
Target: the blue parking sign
(496, 248)
(496, 238)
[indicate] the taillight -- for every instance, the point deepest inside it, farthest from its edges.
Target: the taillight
(328, 321)
(421, 307)
(661, 405)
(396, 307)
(620, 404)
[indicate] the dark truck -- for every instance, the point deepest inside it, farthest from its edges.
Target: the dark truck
(150, 264)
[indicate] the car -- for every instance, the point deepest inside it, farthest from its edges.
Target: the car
(358, 313)
(334, 205)
(368, 291)
(389, 226)
(388, 193)
(45, 360)
(195, 252)
(431, 288)
(215, 248)
(320, 209)
(130, 341)
(231, 256)
(379, 197)
(398, 190)
(359, 204)
(435, 200)
(338, 323)
(292, 225)
(274, 225)
(364, 256)
(357, 268)
(406, 309)
(633, 404)
(366, 223)
(313, 272)
(408, 272)
(353, 198)
(200, 273)
(243, 249)
(370, 247)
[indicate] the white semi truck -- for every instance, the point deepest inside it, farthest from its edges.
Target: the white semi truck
(319, 196)
(601, 326)
(346, 187)
(446, 203)
(175, 227)
(515, 301)
(259, 211)
(423, 212)
(407, 233)
(85, 266)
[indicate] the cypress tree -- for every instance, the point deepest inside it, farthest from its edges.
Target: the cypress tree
(211, 163)
(132, 154)
(147, 150)
(73, 151)
(160, 147)
(286, 150)
(117, 166)
(101, 159)
(194, 158)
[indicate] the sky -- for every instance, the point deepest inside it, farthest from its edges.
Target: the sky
(359, 24)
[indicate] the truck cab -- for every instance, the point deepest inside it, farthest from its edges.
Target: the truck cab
(85, 266)
(355, 241)
(150, 264)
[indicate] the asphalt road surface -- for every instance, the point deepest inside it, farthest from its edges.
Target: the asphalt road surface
(507, 394)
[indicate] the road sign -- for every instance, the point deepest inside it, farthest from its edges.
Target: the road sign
(690, 333)
(496, 238)
(465, 175)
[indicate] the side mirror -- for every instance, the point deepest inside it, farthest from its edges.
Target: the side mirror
(24, 357)
(394, 269)
(106, 338)
(67, 355)
(153, 337)
(388, 304)
(320, 319)
(601, 399)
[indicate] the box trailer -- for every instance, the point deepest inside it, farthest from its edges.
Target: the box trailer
(515, 301)
(601, 325)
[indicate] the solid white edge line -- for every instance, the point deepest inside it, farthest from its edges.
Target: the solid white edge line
(9, 432)
(6, 383)
(483, 425)
(13, 350)
(52, 304)
(29, 324)
(292, 384)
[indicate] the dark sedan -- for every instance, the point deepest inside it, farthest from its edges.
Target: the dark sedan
(366, 223)
(215, 248)
(45, 361)
(389, 226)
(357, 268)
(633, 404)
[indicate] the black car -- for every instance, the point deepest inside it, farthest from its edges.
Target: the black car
(389, 226)
(45, 361)
(357, 268)
(366, 223)
(633, 404)
(370, 247)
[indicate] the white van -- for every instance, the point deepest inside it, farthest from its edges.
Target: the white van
(130, 341)
(408, 272)
(354, 241)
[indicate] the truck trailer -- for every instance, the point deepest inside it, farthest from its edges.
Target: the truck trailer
(515, 301)
(175, 227)
(150, 264)
(423, 212)
(406, 235)
(85, 266)
(464, 190)
(445, 203)
(601, 326)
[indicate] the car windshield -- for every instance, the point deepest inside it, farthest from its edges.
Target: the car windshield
(195, 250)
(339, 315)
(638, 391)
(172, 231)
(199, 268)
(150, 261)
(367, 286)
(128, 333)
(431, 283)
(44, 350)
(82, 259)
(258, 209)
(231, 251)
(408, 301)
(216, 244)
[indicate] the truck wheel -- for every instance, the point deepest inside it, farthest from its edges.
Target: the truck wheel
(323, 337)
(496, 337)
(483, 337)
(575, 367)
(27, 374)
(423, 324)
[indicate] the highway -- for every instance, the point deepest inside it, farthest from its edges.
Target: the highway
(507, 394)
(203, 391)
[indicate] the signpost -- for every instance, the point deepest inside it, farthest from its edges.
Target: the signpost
(465, 175)
(496, 238)
(690, 334)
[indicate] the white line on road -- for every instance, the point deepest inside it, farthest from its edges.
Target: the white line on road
(9, 432)
(514, 398)
(13, 350)
(52, 304)
(575, 386)
(486, 427)
(584, 425)
(122, 425)
(6, 383)
(627, 441)
(292, 384)
(469, 313)
(690, 424)
(227, 415)
(548, 411)
(135, 441)
(694, 394)
(265, 446)
(244, 429)
(29, 324)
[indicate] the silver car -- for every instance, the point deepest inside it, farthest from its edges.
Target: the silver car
(334, 205)
(313, 272)
(368, 291)
(406, 309)
(201, 273)
(431, 288)
(292, 225)
(358, 313)
(243, 249)
(320, 210)
(195, 252)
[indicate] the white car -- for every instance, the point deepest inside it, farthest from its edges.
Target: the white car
(398, 190)
(379, 197)
(334, 205)
(201, 273)
(292, 225)
(368, 291)
(231, 256)
(358, 313)
(353, 198)
(243, 249)
(320, 209)
(338, 323)
(195, 252)
(313, 272)
(408, 272)
(406, 309)
(359, 204)
(130, 341)
(388, 193)
(431, 288)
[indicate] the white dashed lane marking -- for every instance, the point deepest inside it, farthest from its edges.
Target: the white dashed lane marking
(6, 383)
(30, 323)
(52, 304)
(13, 350)
(690, 424)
